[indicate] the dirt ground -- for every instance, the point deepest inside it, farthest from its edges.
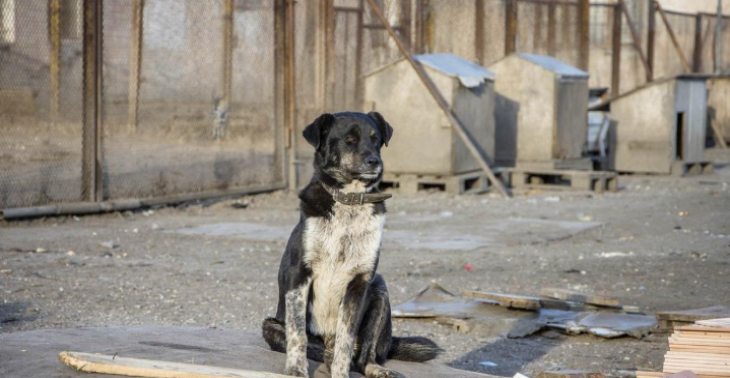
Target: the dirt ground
(660, 243)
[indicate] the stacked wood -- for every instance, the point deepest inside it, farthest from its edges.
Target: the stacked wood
(703, 348)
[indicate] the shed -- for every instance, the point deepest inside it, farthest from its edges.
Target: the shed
(424, 141)
(541, 111)
(661, 126)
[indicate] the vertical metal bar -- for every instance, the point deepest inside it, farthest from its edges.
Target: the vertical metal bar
(330, 64)
(584, 34)
(479, 41)
(537, 34)
(280, 99)
(227, 53)
(718, 39)
(510, 33)
(552, 28)
(359, 55)
(405, 23)
(673, 37)
(91, 150)
(697, 53)
(651, 36)
(291, 90)
(418, 43)
(135, 63)
(616, 51)
(55, 61)
(428, 28)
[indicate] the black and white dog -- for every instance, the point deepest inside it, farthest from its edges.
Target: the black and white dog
(333, 307)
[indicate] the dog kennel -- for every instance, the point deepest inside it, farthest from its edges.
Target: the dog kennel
(541, 112)
(661, 127)
(424, 142)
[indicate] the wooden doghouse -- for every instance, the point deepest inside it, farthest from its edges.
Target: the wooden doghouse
(661, 127)
(541, 112)
(425, 151)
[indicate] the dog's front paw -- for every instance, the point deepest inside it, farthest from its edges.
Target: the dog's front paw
(297, 370)
(377, 371)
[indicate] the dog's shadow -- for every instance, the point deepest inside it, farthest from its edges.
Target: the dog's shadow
(505, 357)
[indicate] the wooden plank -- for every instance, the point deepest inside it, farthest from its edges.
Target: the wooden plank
(635, 39)
(569, 374)
(584, 34)
(719, 323)
(700, 328)
(569, 295)
(476, 151)
(512, 301)
(673, 37)
(54, 25)
(135, 367)
(135, 63)
(695, 315)
(616, 52)
(510, 32)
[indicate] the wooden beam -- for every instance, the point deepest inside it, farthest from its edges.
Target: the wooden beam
(616, 35)
(552, 30)
(136, 367)
(636, 40)
(227, 51)
(510, 33)
(673, 37)
(467, 138)
(135, 63)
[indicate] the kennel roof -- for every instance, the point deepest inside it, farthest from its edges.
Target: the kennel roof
(551, 64)
(469, 74)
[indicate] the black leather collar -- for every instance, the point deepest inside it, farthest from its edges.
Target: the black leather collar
(352, 199)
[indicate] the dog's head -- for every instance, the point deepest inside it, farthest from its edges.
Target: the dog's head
(348, 147)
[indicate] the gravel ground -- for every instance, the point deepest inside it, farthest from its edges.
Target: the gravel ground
(215, 265)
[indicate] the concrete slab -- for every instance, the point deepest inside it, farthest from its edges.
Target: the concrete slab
(35, 353)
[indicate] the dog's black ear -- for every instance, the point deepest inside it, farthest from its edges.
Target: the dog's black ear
(385, 130)
(317, 129)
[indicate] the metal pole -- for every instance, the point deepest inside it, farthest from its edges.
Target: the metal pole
(651, 35)
(227, 52)
(697, 54)
(91, 151)
(468, 140)
(718, 39)
(135, 63)
(479, 41)
(616, 51)
(55, 61)
(291, 97)
(584, 34)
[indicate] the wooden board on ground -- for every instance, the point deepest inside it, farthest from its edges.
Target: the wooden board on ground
(569, 374)
(670, 319)
(715, 323)
(519, 302)
(598, 181)
(135, 367)
(569, 295)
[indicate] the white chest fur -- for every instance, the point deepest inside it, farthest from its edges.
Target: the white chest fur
(337, 249)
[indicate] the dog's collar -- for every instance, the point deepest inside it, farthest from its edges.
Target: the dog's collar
(352, 199)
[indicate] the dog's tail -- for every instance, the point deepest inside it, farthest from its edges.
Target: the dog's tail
(416, 349)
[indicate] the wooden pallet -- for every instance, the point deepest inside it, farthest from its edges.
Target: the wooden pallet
(467, 183)
(597, 181)
(681, 168)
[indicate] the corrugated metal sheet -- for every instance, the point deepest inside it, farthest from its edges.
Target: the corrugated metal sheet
(692, 100)
(549, 63)
(469, 74)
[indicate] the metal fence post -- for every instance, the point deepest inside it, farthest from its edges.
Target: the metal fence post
(616, 51)
(697, 53)
(510, 33)
(479, 41)
(651, 36)
(91, 147)
(718, 39)
(55, 61)
(584, 34)
(227, 52)
(135, 63)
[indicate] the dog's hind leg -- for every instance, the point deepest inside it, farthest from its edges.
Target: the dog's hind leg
(375, 333)
(275, 336)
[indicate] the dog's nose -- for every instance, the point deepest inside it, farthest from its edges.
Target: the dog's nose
(372, 161)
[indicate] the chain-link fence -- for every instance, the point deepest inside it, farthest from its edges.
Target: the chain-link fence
(40, 102)
(189, 99)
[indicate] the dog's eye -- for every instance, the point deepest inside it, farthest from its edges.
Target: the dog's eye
(374, 138)
(350, 139)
